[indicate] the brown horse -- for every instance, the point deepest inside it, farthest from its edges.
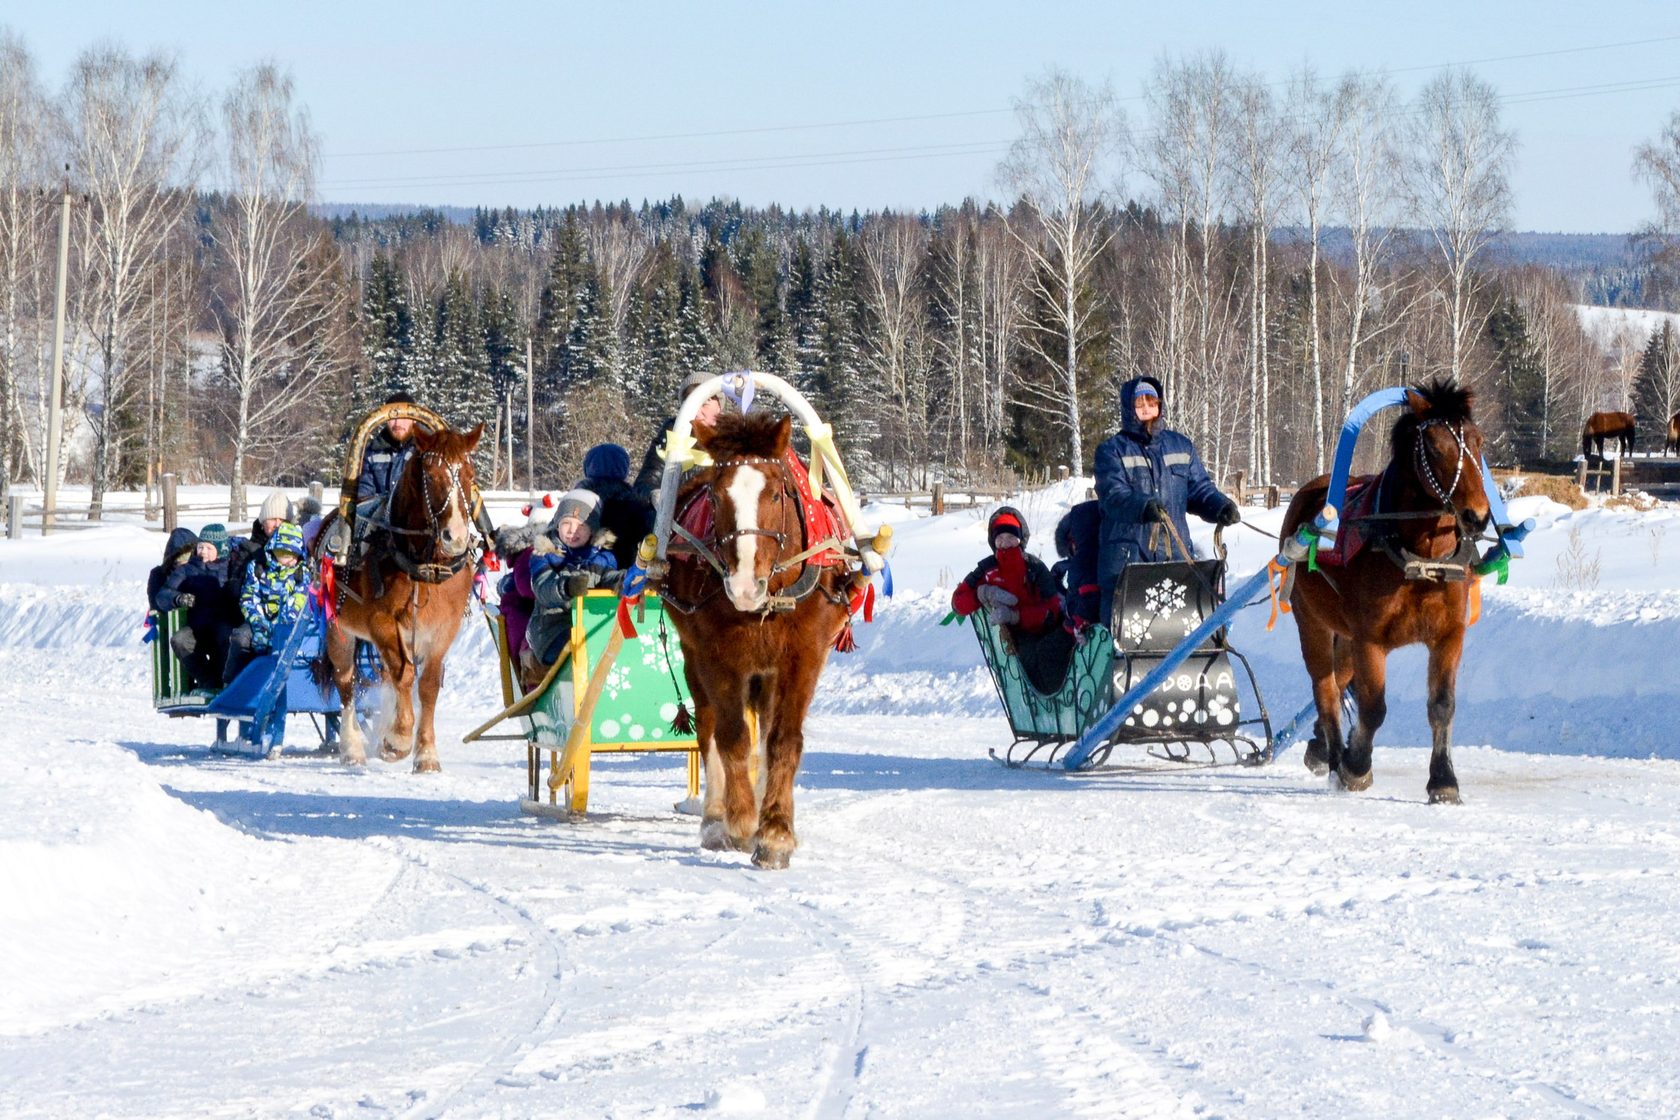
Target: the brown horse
(756, 618)
(408, 597)
(1672, 443)
(1350, 616)
(1602, 426)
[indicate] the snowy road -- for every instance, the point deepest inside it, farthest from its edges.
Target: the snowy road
(953, 937)
(187, 934)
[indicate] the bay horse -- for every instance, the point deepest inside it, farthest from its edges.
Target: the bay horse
(1672, 442)
(1602, 426)
(1350, 615)
(408, 595)
(756, 612)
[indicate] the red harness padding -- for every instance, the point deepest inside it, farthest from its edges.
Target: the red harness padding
(1351, 533)
(821, 519)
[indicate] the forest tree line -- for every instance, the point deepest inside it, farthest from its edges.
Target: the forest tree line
(1270, 250)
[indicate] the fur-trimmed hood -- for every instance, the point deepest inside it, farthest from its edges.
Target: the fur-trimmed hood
(545, 542)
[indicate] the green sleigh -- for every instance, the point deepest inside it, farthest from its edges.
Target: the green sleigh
(1199, 715)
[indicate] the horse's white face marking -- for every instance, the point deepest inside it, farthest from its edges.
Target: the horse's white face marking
(743, 586)
(456, 537)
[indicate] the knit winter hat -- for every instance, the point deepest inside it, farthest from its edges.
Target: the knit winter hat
(1145, 389)
(692, 382)
(584, 505)
(287, 538)
(1006, 520)
(275, 505)
(308, 508)
(217, 535)
(607, 460)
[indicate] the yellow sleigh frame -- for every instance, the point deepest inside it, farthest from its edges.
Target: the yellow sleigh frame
(560, 705)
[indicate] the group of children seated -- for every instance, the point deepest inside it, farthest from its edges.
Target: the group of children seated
(1047, 611)
(236, 591)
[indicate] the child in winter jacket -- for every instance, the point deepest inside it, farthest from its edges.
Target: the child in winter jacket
(176, 554)
(1019, 592)
(570, 559)
(199, 588)
(277, 589)
(1077, 541)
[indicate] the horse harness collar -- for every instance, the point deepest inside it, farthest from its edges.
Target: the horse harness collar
(712, 553)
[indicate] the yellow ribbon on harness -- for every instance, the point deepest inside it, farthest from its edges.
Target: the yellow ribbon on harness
(1274, 583)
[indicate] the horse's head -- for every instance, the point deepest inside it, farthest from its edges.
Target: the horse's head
(754, 513)
(1440, 442)
(435, 494)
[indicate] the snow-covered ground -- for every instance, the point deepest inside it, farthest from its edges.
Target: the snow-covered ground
(1615, 328)
(189, 934)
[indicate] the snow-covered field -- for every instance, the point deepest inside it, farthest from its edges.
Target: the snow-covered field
(1614, 328)
(189, 934)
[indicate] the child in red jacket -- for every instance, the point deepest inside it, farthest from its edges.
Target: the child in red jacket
(1019, 592)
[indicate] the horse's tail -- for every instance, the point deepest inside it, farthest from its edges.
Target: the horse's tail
(1586, 440)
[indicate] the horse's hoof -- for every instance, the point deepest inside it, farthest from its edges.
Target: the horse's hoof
(1316, 758)
(1446, 795)
(390, 752)
(771, 859)
(714, 837)
(348, 759)
(747, 843)
(1353, 783)
(427, 766)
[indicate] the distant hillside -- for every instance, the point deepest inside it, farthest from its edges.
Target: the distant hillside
(373, 211)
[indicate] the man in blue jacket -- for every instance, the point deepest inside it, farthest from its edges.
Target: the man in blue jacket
(1149, 477)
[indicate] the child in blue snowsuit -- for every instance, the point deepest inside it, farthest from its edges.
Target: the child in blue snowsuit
(568, 560)
(275, 594)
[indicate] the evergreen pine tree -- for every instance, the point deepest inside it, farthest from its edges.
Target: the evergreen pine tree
(387, 331)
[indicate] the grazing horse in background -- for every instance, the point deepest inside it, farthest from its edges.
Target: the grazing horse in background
(757, 604)
(1672, 443)
(1602, 426)
(409, 594)
(1410, 583)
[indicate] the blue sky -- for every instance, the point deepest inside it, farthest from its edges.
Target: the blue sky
(804, 103)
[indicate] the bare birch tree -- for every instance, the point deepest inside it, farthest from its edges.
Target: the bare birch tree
(24, 233)
(1193, 103)
(268, 304)
(1366, 199)
(890, 249)
(1069, 133)
(1459, 156)
(1657, 162)
(1317, 115)
(135, 137)
(1259, 139)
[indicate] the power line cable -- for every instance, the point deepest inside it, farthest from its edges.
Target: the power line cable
(714, 133)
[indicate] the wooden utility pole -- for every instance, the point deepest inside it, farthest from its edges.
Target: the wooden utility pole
(55, 396)
(530, 421)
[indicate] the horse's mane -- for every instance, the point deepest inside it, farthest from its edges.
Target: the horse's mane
(1444, 399)
(754, 435)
